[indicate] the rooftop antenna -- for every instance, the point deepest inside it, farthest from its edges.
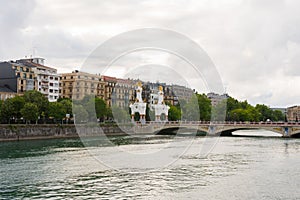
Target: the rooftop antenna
(33, 50)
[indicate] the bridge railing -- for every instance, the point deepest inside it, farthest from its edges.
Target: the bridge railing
(225, 123)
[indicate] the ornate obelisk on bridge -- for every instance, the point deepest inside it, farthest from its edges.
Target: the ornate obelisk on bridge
(160, 108)
(138, 106)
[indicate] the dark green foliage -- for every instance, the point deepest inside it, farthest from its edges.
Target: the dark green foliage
(38, 99)
(30, 112)
(57, 110)
(205, 108)
(34, 105)
(190, 109)
(174, 113)
(18, 103)
(80, 114)
(7, 110)
(120, 115)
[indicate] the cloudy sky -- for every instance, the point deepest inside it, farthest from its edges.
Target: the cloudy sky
(254, 44)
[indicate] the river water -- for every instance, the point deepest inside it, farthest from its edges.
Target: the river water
(236, 168)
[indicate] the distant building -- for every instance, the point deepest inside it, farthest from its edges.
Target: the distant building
(109, 85)
(123, 93)
(77, 85)
(6, 93)
(175, 93)
(150, 91)
(30, 74)
(216, 98)
(293, 113)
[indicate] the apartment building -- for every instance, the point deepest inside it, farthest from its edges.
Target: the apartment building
(123, 93)
(110, 83)
(77, 85)
(30, 74)
(216, 98)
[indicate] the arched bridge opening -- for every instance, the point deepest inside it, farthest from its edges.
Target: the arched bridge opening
(182, 131)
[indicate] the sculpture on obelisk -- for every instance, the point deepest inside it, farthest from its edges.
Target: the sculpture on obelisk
(138, 106)
(160, 108)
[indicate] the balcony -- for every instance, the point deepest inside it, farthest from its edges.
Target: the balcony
(45, 80)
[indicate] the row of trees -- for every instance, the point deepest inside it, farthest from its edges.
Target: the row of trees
(33, 106)
(243, 111)
(199, 108)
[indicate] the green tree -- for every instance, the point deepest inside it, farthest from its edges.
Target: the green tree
(278, 116)
(190, 111)
(38, 99)
(101, 108)
(7, 110)
(18, 103)
(219, 111)
(95, 107)
(1, 102)
(56, 110)
(238, 114)
(67, 105)
(174, 113)
(205, 107)
(30, 112)
(265, 112)
(120, 114)
(80, 114)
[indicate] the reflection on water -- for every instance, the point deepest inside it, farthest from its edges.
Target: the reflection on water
(238, 168)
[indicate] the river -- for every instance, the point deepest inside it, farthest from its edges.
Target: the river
(235, 168)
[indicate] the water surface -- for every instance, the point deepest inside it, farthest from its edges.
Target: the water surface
(237, 168)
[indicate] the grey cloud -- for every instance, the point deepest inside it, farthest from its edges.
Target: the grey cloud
(253, 43)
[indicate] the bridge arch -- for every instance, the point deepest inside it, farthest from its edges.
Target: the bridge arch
(221, 130)
(295, 134)
(229, 131)
(171, 130)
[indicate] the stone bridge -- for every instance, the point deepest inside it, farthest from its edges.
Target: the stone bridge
(286, 129)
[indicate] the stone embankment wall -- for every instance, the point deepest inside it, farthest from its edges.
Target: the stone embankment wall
(11, 132)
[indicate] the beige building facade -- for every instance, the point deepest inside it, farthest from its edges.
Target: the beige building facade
(77, 85)
(293, 113)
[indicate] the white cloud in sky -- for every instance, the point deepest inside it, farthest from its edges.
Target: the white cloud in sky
(255, 44)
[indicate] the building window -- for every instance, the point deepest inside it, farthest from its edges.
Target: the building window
(24, 75)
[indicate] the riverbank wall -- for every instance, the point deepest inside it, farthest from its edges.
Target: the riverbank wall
(14, 132)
